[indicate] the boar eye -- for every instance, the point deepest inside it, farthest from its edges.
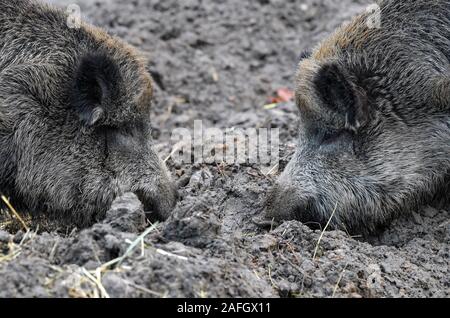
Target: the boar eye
(96, 84)
(329, 136)
(305, 55)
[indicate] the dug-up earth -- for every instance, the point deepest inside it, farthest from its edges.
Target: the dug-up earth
(219, 61)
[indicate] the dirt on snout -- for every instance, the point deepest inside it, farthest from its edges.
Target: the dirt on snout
(219, 62)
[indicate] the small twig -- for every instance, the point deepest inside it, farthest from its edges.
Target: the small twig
(10, 256)
(142, 248)
(271, 224)
(174, 150)
(25, 236)
(130, 249)
(267, 175)
(323, 232)
(271, 170)
(97, 282)
(168, 113)
(53, 251)
(136, 242)
(17, 215)
(171, 154)
(72, 233)
(174, 102)
(202, 294)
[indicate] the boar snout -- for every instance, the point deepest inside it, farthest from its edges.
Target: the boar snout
(289, 201)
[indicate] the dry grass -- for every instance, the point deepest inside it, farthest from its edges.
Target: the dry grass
(271, 279)
(146, 290)
(272, 170)
(95, 277)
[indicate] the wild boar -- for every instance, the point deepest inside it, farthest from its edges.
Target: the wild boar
(374, 134)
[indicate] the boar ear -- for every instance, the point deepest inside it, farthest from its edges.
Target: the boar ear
(95, 84)
(341, 95)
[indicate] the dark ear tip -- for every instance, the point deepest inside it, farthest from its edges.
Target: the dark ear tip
(92, 117)
(95, 60)
(340, 94)
(97, 66)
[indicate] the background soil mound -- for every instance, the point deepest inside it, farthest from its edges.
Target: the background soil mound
(219, 62)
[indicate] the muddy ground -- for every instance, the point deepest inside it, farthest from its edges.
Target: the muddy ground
(219, 61)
